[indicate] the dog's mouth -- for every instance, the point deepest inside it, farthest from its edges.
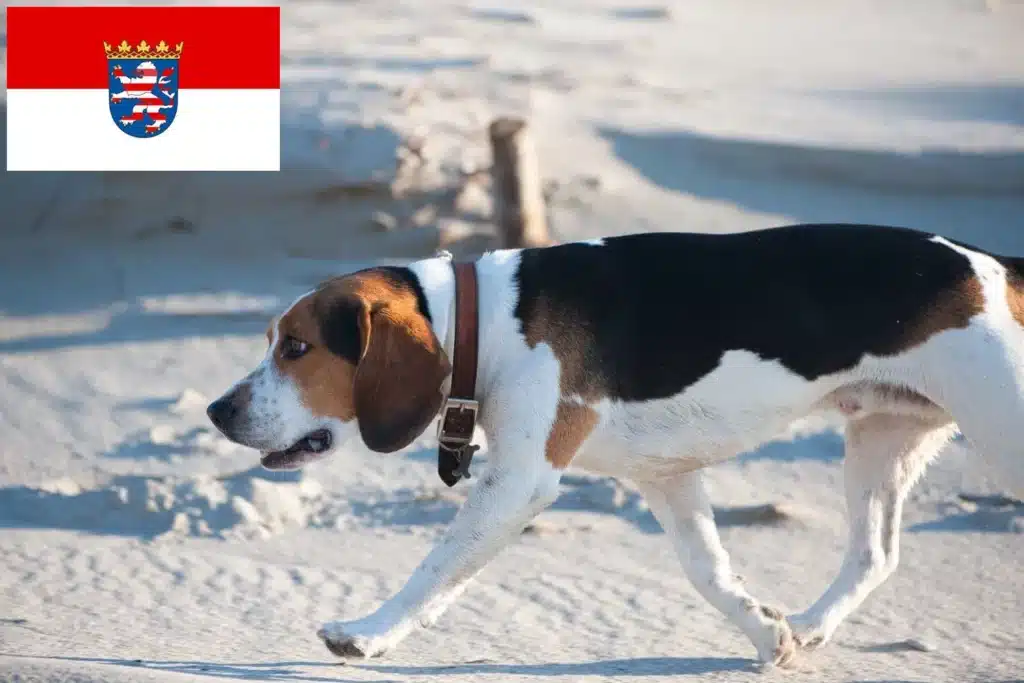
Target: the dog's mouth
(306, 449)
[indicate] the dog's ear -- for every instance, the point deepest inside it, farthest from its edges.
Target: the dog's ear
(398, 380)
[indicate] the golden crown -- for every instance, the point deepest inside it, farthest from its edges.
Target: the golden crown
(143, 51)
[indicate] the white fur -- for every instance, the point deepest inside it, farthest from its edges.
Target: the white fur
(885, 455)
(975, 374)
(681, 505)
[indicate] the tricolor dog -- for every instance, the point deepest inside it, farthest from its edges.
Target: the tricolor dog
(649, 357)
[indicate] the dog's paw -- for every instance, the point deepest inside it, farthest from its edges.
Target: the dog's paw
(345, 639)
(808, 632)
(776, 646)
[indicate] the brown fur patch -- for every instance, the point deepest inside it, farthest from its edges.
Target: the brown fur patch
(952, 309)
(573, 424)
(324, 380)
(1015, 296)
(572, 344)
(398, 382)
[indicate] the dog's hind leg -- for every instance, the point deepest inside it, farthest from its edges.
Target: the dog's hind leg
(682, 507)
(885, 455)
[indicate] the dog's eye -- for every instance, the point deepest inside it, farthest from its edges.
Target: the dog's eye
(292, 348)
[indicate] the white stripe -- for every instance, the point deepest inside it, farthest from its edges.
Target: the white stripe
(213, 130)
(277, 330)
(992, 276)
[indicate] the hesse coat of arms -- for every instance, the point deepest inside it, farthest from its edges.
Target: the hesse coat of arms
(143, 85)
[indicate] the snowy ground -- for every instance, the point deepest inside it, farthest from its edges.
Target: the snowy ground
(136, 545)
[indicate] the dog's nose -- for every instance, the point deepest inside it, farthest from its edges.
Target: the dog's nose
(221, 411)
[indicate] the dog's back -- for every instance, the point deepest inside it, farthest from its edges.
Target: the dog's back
(658, 311)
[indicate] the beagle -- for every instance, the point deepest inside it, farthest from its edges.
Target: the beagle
(649, 357)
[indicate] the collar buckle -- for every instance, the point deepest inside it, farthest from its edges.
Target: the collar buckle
(458, 419)
(454, 437)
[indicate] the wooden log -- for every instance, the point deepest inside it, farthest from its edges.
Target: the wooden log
(519, 207)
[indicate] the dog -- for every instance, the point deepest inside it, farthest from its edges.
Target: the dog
(649, 357)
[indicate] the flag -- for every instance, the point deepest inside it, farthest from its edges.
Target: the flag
(130, 88)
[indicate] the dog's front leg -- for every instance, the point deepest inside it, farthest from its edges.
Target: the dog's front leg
(502, 502)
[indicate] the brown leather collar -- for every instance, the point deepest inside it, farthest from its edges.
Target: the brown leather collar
(458, 416)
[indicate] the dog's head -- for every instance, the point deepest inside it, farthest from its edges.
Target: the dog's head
(356, 354)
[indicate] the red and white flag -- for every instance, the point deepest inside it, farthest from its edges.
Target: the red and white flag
(143, 88)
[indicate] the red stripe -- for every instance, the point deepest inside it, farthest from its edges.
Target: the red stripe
(139, 101)
(138, 87)
(139, 115)
(225, 47)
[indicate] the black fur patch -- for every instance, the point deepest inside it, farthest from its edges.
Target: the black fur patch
(339, 315)
(656, 312)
